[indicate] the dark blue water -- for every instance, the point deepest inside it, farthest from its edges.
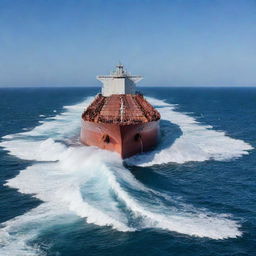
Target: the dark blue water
(193, 195)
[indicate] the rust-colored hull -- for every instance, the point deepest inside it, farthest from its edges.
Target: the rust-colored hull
(127, 140)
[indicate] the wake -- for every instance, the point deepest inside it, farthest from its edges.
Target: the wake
(75, 181)
(197, 143)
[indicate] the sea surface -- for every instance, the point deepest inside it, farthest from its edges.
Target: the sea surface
(194, 195)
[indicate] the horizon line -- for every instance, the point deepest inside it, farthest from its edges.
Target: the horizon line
(143, 86)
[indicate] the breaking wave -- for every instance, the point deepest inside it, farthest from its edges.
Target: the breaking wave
(76, 181)
(198, 142)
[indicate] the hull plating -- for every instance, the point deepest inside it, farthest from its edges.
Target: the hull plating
(127, 140)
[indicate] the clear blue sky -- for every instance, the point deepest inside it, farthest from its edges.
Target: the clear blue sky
(170, 43)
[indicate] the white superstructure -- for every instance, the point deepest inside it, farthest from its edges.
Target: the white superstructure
(119, 82)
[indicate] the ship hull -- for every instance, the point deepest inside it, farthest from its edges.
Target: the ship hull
(127, 140)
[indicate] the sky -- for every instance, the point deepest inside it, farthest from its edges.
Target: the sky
(168, 42)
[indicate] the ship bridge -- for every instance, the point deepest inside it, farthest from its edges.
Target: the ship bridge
(119, 82)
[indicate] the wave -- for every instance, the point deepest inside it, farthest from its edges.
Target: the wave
(197, 143)
(77, 181)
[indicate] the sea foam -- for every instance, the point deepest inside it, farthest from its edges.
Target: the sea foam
(198, 142)
(87, 182)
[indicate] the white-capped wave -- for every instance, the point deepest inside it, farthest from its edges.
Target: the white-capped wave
(82, 172)
(198, 142)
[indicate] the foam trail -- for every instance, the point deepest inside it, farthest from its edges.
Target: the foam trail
(60, 126)
(197, 143)
(93, 184)
(15, 233)
(63, 183)
(199, 224)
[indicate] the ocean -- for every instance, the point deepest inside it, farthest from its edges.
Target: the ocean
(193, 195)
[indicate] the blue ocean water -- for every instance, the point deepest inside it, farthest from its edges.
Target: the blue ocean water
(193, 195)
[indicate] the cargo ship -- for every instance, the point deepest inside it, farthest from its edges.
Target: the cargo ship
(120, 119)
